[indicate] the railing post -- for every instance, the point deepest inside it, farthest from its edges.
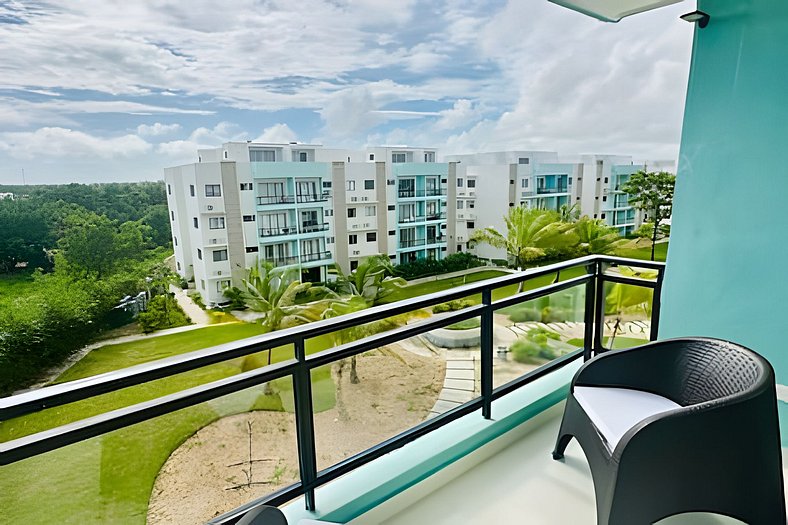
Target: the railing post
(656, 303)
(305, 428)
(487, 353)
(599, 314)
(588, 315)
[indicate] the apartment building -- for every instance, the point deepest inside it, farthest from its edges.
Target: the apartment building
(302, 206)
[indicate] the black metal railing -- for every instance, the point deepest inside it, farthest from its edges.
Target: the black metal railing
(320, 256)
(593, 278)
(312, 197)
(406, 194)
(273, 232)
(436, 216)
(410, 243)
(275, 199)
(560, 189)
(411, 218)
(312, 227)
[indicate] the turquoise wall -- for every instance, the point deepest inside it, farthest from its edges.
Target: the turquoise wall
(727, 273)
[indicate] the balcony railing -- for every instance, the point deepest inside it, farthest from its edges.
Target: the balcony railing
(410, 243)
(411, 218)
(284, 260)
(436, 216)
(274, 232)
(560, 189)
(313, 197)
(591, 273)
(320, 256)
(312, 227)
(436, 240)
(275, 199)
(435, 192)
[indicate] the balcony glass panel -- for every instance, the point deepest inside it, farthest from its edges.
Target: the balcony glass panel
(627, 309)
(183, 467)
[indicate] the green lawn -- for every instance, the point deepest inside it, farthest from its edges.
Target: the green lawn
(660, 252)
(109, 478)
(15, 285)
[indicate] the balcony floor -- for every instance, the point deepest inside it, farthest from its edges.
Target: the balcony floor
(518, 483)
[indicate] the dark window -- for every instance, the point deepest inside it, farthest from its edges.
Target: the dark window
(471, 225)
(326, 183)
(605, 180)
(471, 183)
(459, 247)
(603, 215)
(175, 240)
(595, 215)
(369, 184)
(225, 154)
(191, 189)
(172, 215)
(352, 239)
(196, 224)
(213, 190)
(199, 254)
(598, 179)
(459, 183)
(219, 255)
(178, 265)
(246, 186)
(351, 212)
(252, 249)
(169, 189)
(248, 218)
(511, 181)
(391, 207)
(443, 181)
(392, 232)
(371, 156)
(372, 236)
(604, 199)
(523, 160)
(443, 249)
(353, 265)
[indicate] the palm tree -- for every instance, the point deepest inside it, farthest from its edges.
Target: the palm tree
(627, 298)
(569, 213)
(596, 237)
(372, 280)
(530, 234)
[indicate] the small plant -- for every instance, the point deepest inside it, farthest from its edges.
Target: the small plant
(452, 306)
(535, 348)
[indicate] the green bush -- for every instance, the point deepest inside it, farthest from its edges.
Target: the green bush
(500, 262)
(524, 315)
(163, 312)
(534, 348)
(452, 306)
(426, 267)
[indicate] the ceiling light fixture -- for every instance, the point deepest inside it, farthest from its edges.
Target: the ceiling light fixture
(697, 16)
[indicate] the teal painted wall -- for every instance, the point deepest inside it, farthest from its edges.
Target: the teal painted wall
(727, 274)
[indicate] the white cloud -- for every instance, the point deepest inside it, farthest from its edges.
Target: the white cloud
(157, 129)
(200, 138)
(462, 114)
(63, 142)
(277, 133)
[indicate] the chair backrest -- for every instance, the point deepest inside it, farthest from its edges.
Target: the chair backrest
(715, 369)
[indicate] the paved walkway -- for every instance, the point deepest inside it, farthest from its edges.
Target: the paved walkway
(195, 313)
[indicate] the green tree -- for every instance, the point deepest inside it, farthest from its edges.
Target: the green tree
(531, 234)
(372, 280)
(652, 192)
(569, 213)
(25, 235)
(596, 237)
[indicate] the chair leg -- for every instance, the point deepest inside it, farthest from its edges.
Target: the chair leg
(561, 444)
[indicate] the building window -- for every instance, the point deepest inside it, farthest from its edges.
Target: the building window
(443, 181)
(460, 205)
(219, 255)
(603, 215)
(196, 224)
(372, 236)
(191, 189)
(175, 240)
(202, 284)
(369, 184)
(225, 154)
(199, 254)
(302, 157)
(216, 223)
(459, 247)
(326, 184)
(398, 158)
(353, 265)
(524, 183)
(471, 204)
(178, 265)
(351, 212)
(351, 185)
(470, 225)
(221, 285)
(429, 156)
(172, 215)
(391, 207)
(329, 240)
(392, 232)
(604, 199)
(370, 211)
(523, 160)
(213, 190)
(252, 249)
(570, 181)
(248, 218)
(511, 181)
(605, 180)
(459, 183)
(265, 155)
(352, 239)
(371, 156)
(169, 189)
(471, 183)
(246, 186)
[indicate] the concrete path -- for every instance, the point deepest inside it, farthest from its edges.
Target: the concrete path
(459, 384)
(195, 313)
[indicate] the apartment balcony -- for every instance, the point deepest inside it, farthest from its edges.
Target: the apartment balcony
(411, 218)
(277, 232)
(314, 227)
(436, 216)
(548, 191)
(408, 194)
(314, 257)
(411, 243)
(315, 197)
(276, 199)
(287, 260)
(436, 240)
(493, 424)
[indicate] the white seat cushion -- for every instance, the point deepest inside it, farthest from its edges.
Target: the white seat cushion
(615, 410)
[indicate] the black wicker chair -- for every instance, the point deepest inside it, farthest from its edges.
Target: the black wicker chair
(682, 425)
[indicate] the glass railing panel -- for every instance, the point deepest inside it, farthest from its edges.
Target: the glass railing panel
(530, 334)
(184, 467)
(627, 315)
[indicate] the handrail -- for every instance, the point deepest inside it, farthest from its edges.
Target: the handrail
(300, 367)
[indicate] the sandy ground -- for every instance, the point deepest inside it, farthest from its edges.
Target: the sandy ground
(395, 392)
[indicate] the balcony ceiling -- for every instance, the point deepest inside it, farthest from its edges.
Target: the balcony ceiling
(613, 10)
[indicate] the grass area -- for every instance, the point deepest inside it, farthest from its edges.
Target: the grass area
(660, 252)
(109, 478)
(619, 343)
(14, 286)
(468, 324)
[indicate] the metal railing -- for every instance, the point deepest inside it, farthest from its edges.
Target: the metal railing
(407, 194)
(312, 197)
(593, 278)
(320, 256)
(275, 199)
(560, 189)
(410, 243)
(411, 218)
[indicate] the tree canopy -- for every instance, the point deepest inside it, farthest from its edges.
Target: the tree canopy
(652, 192)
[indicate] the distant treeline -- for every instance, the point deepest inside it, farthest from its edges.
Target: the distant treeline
(85, 246)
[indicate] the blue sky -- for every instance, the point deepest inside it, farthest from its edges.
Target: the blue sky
(99, 91)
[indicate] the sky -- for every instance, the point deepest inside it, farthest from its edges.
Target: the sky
(103, 91)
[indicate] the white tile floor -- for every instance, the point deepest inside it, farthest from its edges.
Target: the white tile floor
(519, 484)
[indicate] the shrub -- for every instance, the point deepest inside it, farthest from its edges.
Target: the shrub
(236, 297)
(163, 312)
(525, 314)
(452, 306)
(534, 348)
(500, 262)
(425, 267)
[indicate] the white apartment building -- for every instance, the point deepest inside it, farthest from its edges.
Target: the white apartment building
(302, 206)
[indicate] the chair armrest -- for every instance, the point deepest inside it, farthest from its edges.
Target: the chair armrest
(654, 367)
